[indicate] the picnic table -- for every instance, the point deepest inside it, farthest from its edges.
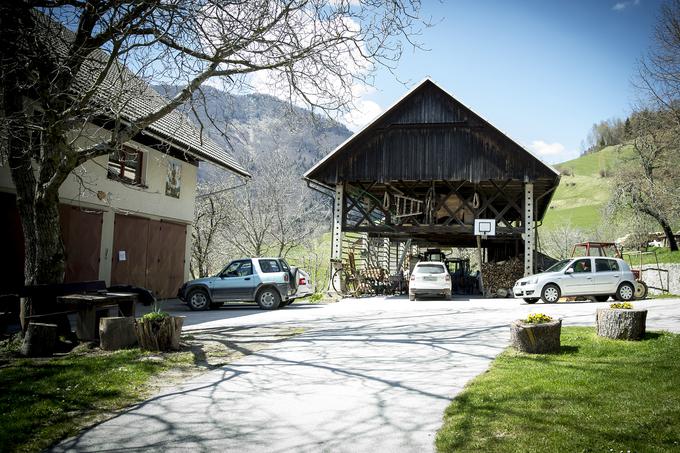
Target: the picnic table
(87, 305)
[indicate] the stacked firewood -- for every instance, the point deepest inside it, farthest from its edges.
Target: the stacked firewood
(500, 277)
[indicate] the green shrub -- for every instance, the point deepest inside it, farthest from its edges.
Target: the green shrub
(155, 315)
(316, 297)
(537, 318)
(622, 305)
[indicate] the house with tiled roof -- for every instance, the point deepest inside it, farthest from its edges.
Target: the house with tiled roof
(126, 217)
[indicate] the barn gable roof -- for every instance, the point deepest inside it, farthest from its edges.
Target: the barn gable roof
(429, 135)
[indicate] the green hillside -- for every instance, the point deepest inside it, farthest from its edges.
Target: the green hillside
(583, 194)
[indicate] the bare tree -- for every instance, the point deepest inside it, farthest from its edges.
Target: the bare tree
(210, 221)
(647, 183)
(659, 71)
(297, 211)
(559, 242)
(66, 65)
(273, 214)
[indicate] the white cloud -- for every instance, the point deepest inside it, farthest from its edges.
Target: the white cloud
(350, 87)
(362, 114)
(620, 6)
(546, 149)
(552, 152)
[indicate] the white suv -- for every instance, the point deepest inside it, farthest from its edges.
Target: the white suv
(429, 278)
(600, 277)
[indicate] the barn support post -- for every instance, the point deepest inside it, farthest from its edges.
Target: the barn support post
(336, 252)
(529, 232)
(336, 239)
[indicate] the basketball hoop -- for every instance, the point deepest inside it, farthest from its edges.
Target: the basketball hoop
(485, 227)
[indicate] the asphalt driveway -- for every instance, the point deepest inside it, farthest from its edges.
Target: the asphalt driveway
(370, 375)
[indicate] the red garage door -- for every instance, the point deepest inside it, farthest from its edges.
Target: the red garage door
(81, 231)
(148, 253)
(165, 257)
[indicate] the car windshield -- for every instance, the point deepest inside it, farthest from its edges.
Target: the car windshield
(558, 266)
(429, 269)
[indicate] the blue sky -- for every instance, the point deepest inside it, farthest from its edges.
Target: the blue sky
(541, 71)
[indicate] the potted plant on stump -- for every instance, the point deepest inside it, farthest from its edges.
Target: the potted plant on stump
(158, 331)
(537, 334)
(621, 322)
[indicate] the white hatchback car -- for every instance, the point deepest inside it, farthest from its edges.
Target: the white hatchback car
(600, 277)
(429, 278)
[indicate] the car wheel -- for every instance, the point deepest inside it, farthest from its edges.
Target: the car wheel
(411, 297)
(641, 290)
(550, 293)
(626, 292)
(198, 300)
(530, 300)
(601, 298)
(268, 299)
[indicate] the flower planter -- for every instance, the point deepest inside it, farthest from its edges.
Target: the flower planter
(621, 324)
(536, 338)
(159, 334)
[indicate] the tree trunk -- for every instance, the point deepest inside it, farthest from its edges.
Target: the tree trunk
(117, 333)
(536, 338)
(668, 231)
(621, 324)
(40, 340)
(31, 154)
(665, 226)
(159, 335)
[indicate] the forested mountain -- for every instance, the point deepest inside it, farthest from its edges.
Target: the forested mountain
(253, 125)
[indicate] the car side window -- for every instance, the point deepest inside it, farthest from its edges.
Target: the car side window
(269, 266)
(602, 265)
(245, 269)
(582, 266)
(613, 265)
(284, 265)
(231, 270)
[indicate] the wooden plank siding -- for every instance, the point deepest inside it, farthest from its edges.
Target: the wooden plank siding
(430, 136)
(433, 150)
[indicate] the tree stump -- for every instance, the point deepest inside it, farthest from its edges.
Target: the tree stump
(621, 324)
(40, 340)
(161, 334)
(536, 338)
(117, 333)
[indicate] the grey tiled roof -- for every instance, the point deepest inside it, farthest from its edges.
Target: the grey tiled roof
(124, 95)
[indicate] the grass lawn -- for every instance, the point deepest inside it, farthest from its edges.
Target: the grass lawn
(45, 400)
(585, 217)
(591, 164)
(663, 254)
(597, 395)
(39, 399)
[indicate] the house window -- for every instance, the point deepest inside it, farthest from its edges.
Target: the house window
(126, 166)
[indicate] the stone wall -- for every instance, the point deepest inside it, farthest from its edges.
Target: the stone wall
(651, 277)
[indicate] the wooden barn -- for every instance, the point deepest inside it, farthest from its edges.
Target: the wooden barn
(423, 171)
